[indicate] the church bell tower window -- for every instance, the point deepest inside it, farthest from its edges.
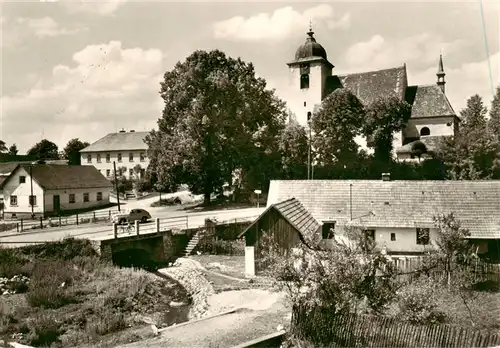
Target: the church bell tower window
(304, 76)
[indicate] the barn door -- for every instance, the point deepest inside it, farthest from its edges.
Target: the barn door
(57, 203)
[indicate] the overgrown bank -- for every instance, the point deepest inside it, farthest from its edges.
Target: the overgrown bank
(68, 297)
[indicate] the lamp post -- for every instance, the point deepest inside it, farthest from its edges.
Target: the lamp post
(257, 192)
(31, 194)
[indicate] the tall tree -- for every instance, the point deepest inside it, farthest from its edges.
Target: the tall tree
(474, 151)
(335, 126)
(494, 122)
(294, 145)
(72, 151)
(44, 150)
(13, 150)
(384, 117)
(218, 117)
(3, 146)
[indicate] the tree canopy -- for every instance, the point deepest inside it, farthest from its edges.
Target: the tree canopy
(3, 147)
(72, 151)
(218, 117)
(13, 150)
(294, 147)
(44, 150)
(336, 125)
(494, 121)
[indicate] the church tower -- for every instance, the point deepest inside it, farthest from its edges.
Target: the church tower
(309, 70)
(441, 74)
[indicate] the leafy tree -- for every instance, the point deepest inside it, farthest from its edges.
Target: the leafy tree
(218, 117)
(44, 150)
(384, 117)
(294, 146)
(473, 153)
(72, 151)
(13, 150)
(335, 125)
(418, 148)
(3, 146)
(494, 122)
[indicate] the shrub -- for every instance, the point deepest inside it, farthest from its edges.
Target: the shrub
(44, 331)
(106, 321)
(50, 285)
(418, 302)
(221, 247)
(12, 263)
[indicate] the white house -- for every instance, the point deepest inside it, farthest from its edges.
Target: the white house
(49, 189)
(126, 149)
(399, 214)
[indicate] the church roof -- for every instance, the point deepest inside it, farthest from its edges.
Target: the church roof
(428, 101)
(398, 203)
(372, 85)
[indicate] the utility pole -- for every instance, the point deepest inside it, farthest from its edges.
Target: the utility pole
(116, 187)
(309, 150)
(350, 199)
(31, 197)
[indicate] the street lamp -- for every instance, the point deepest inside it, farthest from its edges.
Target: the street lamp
(309, 115)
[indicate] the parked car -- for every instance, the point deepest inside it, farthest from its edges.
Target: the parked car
(131, 216)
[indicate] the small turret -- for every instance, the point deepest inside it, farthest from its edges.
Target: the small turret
(441, 74)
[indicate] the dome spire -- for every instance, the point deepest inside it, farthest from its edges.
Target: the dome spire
(310, 33)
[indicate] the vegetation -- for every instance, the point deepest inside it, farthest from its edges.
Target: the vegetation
(73, 298)
(72, 151)
(44, 150)
(352, 276)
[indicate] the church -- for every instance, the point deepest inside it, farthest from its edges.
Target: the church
(432, 115)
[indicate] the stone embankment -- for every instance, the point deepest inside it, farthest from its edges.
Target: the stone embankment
(190, 275)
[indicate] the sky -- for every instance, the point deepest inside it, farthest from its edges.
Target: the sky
(74, 69)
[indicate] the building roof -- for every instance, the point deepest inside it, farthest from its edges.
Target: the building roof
(54, 176)
(399, 204)
(428, 101)
(295, 213)
(6, 169)
(121, 141)
(311, 48)
(372, 85)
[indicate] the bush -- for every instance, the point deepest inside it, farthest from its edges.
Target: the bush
(44, 331)
(12, 263)
(222, 247)
(50, 285)
(106, 321)
(418, 302)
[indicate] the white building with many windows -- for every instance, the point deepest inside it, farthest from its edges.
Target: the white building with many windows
(126, 149)
(49, 189)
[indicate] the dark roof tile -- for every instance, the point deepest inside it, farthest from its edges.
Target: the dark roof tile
(119, 142)
(428, 101)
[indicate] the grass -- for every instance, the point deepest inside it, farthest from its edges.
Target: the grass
(74, 299)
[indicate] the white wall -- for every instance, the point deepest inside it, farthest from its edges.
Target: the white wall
(22, 191)
(437, 125)
(312, 95)
(79, 203)
(104, 166)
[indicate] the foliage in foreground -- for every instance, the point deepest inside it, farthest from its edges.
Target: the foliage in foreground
(74, 298)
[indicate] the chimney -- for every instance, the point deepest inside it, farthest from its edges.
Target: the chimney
(132, 131)
(386, 176)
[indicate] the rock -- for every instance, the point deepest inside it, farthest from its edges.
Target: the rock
(176, 304)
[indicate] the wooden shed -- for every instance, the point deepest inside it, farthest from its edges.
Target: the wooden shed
(286, 222)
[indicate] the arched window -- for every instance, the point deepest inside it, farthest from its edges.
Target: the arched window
(425, 131)
(304, 81)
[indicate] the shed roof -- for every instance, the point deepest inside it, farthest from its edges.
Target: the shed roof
(294, 212)
(121, 141)
(54, 176)
(403, 204)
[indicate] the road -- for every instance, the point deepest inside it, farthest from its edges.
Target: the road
(168, 219)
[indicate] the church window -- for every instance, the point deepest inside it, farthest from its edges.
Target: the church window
(425, 131)
(304, 81)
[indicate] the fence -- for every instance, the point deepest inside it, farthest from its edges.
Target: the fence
(60, 221)
(482, 271)
(320, 326)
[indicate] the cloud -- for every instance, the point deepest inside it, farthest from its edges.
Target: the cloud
(45, 27)
(464, 81)
(107, 87)
(281, 24)
(379, 53)
(103, 8)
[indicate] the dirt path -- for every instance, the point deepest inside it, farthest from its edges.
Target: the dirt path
(258, 312)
